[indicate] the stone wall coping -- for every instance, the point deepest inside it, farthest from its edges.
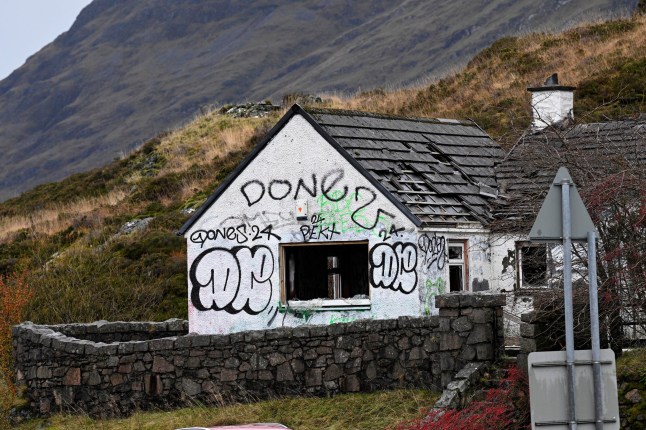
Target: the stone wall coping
(54, 336)
(103, 326)
(63, 336)
(465, 299)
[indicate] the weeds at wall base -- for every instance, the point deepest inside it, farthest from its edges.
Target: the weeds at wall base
(503, 407)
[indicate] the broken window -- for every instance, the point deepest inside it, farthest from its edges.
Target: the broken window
(328, 272)
(531, 264)
(457, 265)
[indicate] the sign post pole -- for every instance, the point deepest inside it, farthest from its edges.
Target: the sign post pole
(564, 219)
(567, 299)
(594, 331)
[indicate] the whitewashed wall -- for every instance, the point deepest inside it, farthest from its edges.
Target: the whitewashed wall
(503, 262)
(550, 107)
(242, 231)
(503, 267)
(434, 263)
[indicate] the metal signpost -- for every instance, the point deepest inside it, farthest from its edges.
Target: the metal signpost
(563, 218)
(548, 378)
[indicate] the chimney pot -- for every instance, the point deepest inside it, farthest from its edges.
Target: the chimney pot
(552, 80)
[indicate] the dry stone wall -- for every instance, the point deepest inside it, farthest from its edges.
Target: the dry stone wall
(111, 369)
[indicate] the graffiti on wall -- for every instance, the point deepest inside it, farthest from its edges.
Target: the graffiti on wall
(386, 234)
(353, 212)
(276, 219)
(318, 229)
(240, 234)
(278, 189)
(344, 318)
(237, 278)
(432, 288)
(433, 250)
(342, 207)
(393, 266)
(232, 280)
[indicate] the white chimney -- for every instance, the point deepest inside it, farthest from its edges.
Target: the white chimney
(551, 103)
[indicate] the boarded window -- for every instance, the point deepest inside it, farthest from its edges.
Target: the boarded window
(338, 271)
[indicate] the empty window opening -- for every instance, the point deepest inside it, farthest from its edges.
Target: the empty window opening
(457, 266)
(532, 265)
(332, 272)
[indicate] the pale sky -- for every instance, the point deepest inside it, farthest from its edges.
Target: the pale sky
(28, 25)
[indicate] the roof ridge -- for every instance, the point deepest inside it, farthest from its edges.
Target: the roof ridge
(354, 112)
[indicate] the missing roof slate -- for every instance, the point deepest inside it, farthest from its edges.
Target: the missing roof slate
(447, 160)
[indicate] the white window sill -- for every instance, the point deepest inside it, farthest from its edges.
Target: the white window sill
(330, 305)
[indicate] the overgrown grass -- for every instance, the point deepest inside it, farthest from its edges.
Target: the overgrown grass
(632, 365)
(371, 411)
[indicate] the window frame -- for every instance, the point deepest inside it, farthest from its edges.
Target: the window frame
(320, 303)
(464, 262)
(520, 245)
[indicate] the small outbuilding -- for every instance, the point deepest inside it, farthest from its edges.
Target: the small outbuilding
(340, 215)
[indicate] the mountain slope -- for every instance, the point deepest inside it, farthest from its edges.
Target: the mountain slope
(127, 70)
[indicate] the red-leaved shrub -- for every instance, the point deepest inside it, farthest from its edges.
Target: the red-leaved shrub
(15, 294)
(504, 407)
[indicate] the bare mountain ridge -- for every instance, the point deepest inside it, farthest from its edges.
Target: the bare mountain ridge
(128, 70)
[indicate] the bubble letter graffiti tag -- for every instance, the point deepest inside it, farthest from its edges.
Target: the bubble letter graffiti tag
(232, 280)
(393, 266)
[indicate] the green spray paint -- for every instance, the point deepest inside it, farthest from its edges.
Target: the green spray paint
(341, 319)
(305, 314)
(433, 288)
(340, 215)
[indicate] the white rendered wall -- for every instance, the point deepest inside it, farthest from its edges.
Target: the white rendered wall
(550, 107)
(503, 265)
(434, 264)
(256, 213)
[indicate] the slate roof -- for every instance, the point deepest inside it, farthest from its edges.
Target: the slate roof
(593, 149)
(441, 170)
(437, 171)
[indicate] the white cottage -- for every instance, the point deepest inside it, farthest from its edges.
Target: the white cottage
(340, 215)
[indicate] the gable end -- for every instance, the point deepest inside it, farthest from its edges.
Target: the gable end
(294, 110)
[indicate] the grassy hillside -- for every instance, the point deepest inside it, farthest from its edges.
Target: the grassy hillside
(148, 68)
(605, 61)
(85, 266)
(69, 235)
